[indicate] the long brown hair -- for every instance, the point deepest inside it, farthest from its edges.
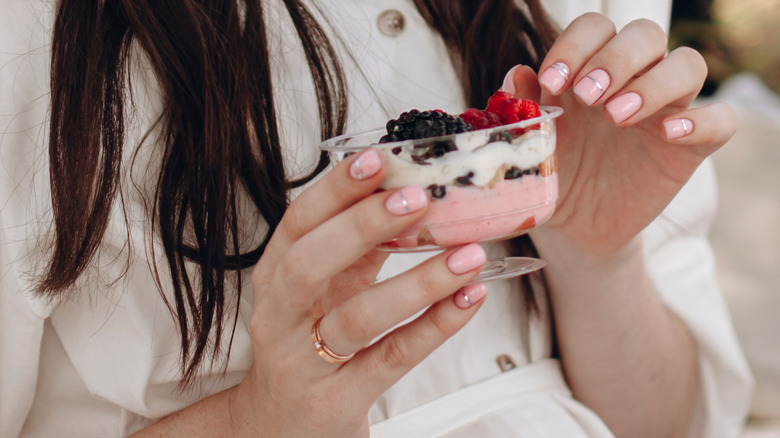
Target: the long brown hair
(219, 129)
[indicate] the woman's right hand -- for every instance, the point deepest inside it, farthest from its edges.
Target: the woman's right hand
(322, 263)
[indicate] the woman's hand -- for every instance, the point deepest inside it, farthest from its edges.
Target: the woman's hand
(627, 143)
(321, 263)
(628, 140)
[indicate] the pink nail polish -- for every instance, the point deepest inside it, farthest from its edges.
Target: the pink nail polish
(467, 258)
(590, 88)
(366, 165)
(676, 128)
(555, 77)
(624, 106)
(407, 200)
(470, 295)
(509, 81)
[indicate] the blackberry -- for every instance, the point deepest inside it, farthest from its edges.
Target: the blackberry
(416, 124)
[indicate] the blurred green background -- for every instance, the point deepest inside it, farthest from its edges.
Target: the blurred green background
(734, 36)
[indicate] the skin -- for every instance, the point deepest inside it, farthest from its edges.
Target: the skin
(624, 354)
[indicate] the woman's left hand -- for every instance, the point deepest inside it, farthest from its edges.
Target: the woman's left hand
(627, 141)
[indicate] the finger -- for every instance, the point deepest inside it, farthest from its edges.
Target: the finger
(520, 80)
(305, 269)
(379, 367)
(349, 181)
(639, 45)
(367, 315)
(575, 46)
(707, 127)
(673, 82)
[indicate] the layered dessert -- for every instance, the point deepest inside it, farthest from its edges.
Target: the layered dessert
(490, 174)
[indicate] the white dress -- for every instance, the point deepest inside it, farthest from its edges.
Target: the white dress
(105, 362)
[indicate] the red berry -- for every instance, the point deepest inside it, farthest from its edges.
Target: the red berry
(502, 109)
(480, 119)
(530, 109)
(497, 99)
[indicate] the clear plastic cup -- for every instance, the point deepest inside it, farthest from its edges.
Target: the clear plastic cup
(484, 185)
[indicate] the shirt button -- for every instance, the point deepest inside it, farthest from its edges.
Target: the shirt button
(391, 22)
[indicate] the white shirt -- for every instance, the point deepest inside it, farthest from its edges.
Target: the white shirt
(105, 362)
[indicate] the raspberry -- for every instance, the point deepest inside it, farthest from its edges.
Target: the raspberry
(502, 109)
(498, 98)
(510, 109)
(480, 119)
(416, 124)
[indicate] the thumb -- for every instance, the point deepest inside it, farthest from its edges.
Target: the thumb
(521, 81)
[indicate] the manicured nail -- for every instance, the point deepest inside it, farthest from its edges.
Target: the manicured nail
(406, 200)
(509, 81)
(366, 165)
(590, 88)
(555, 77)
(623, 107)
(470, 295)
(676, 128)
(467, 258)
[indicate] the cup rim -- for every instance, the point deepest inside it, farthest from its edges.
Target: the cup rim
(336, 144)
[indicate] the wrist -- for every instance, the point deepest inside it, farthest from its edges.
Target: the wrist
(572, 254)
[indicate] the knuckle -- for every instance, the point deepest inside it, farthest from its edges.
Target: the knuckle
(727, 121)
(429, 282)
(442, 324)
(590, 20)
(650, 33)
(396, 353)
(292, 221)
(694, 60)
(649, 28)
(355, 323)
(365, 224)
(289, 270)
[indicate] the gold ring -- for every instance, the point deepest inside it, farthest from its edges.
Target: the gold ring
(322, 350)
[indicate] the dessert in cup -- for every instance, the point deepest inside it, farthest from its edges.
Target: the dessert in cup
(490, 174)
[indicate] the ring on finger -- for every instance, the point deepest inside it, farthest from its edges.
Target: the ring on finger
(322, 350)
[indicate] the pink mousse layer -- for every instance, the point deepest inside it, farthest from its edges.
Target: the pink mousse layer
(474, 214)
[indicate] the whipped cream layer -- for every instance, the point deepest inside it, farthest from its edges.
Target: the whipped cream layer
(475, 154)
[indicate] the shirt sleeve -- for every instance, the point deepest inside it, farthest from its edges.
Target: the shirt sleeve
(23, 108)
(21, 328)
(681, 264)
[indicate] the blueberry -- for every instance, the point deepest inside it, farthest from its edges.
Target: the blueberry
(465, 180)
(437, 191)
(513, 173)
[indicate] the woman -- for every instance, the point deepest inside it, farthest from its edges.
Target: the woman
(111, 361)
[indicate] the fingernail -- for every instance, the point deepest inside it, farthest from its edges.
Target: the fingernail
(509, 81)
(677, 128)
(406, 200)
(590, 88)
(470, 295)
(467, 258)
(554, 77)
(623, 107)
(366, 165)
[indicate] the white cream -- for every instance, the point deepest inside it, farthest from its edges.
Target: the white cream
(474, 154)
